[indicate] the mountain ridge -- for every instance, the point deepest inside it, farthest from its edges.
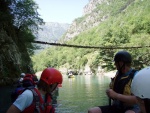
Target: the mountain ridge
(50, 32)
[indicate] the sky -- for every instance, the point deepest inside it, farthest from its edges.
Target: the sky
(61, 11)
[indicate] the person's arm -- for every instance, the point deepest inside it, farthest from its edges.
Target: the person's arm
(129, 99)
(13, 109)
(23, 101)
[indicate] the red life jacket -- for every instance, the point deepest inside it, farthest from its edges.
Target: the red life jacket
(43, 107)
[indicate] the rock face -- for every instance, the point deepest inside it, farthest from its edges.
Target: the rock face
(92, 5)
(13, 59)
(91, 18)
(10, 56)
(9, 50)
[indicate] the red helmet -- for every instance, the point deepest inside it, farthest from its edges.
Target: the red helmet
(28, 80)
(51, 76)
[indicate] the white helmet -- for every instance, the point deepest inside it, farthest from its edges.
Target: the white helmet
(22, 75)
(140, 86)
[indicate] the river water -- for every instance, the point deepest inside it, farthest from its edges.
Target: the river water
(76, 95)
(79, 94)
(5, 99)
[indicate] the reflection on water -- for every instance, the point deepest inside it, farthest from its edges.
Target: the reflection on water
(82, 92)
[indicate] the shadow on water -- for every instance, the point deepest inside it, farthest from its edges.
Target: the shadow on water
(82, 92)
(5, 99)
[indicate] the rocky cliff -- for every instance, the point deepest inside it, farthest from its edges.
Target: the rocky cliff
(91, 18)
(14, 59)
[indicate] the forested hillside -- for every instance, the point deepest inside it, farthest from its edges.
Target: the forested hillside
(127, 24)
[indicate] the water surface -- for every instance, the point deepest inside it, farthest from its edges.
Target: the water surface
(82, 92)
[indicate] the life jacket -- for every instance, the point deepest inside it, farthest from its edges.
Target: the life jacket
(122, 85)
(39, 105)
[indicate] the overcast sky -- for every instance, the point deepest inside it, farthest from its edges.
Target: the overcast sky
(62, 11)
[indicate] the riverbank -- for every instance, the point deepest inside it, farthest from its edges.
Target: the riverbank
(110, 74)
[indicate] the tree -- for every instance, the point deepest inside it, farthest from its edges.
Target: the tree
(26, 15)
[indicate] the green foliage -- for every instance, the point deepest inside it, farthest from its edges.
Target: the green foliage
(26, 21)
(19, 19)
(128, 24)
(26, 15)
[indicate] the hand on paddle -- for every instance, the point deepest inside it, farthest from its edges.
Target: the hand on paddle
(111, 94)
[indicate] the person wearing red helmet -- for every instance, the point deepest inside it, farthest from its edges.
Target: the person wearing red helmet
(50, 78)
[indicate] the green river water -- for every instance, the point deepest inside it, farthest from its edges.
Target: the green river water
(82, 92)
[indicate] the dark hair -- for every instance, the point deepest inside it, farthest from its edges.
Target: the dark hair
(43, 86)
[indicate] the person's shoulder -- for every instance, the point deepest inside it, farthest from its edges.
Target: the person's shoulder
(27, 95)
(135, 72)
(27, 92)
(24, 99)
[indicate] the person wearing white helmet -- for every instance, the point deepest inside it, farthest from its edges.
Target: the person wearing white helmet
(140, 88)
(22, 74)
(21, 77)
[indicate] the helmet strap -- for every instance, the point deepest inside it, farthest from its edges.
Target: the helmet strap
(147, 104)
(121, 68)
(53, 87)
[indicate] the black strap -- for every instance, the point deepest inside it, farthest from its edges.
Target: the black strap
(130, 77)
(147, 104)
(36, 100)
(48, 103)
(46, 96)
(119, 84)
